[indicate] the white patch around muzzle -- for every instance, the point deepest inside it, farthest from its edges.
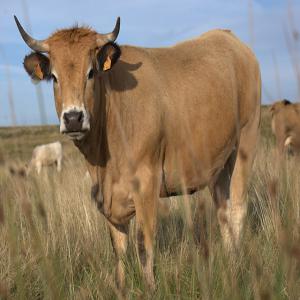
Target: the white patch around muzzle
(78, 135)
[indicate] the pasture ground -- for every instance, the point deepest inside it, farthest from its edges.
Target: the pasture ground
(55, 244)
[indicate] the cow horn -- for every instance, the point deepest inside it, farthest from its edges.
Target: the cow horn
(36, 45)
(109, 37)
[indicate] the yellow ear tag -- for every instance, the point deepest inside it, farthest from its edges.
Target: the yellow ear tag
(38, 72)
(107, 64)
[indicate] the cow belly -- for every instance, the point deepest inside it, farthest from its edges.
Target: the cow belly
(174, 183)
(190, 173)
(49, 161)
(186, 180)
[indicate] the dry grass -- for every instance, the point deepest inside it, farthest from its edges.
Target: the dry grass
(55, 244)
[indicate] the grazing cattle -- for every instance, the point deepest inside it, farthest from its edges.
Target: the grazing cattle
(154, 122)
(45, 155)
(286, 126)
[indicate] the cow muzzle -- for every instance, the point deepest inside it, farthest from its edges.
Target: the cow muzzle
(74, 123)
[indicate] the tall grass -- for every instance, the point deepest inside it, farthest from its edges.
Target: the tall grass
(55, 244)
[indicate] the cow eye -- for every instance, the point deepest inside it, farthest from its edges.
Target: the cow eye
(54, 78)
(91, 74)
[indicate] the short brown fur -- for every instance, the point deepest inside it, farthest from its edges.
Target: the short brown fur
(163, 121)
(286, 127)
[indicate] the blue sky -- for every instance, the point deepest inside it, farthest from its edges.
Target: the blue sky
(147, 23)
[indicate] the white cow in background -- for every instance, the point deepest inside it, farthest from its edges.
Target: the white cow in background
(45, 155)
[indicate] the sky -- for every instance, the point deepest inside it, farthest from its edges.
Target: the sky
(270, 27)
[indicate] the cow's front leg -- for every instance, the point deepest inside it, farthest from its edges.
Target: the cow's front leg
(119, 238)
(146, 201)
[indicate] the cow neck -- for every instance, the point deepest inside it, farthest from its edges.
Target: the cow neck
(95, 146)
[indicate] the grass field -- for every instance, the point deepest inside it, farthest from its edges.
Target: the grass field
(55, 244)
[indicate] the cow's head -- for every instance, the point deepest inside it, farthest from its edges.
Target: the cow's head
(74, 58)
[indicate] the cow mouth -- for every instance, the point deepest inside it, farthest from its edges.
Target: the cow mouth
(76, 135)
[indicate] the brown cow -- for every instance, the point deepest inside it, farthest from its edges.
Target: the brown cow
(286, 126)
(155, 122)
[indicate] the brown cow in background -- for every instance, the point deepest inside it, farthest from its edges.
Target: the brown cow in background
(155, 122)
(286, 126)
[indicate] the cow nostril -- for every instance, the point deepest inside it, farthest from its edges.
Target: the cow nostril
(66, 118)
(73, 120)
(80, 117)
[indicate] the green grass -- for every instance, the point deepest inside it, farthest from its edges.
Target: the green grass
(55, 244)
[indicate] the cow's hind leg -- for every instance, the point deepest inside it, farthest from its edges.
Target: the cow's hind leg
(119, 238)
(241, 175)
(229, 190)
(220, 190)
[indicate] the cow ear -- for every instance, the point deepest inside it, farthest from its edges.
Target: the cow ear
(37, 66)
(286, 102)
(108, 55)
